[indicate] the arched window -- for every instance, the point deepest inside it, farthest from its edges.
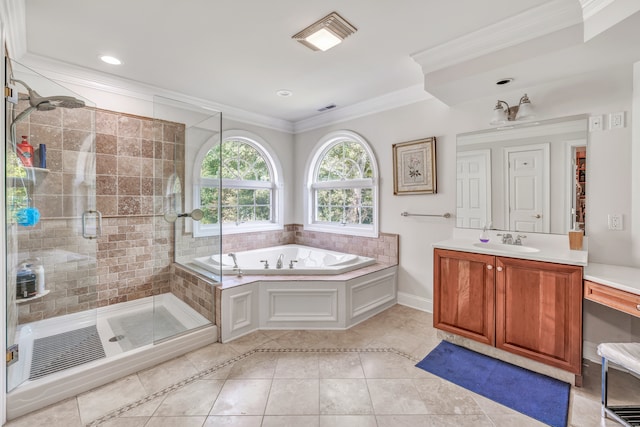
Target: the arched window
(237, 185)
(342, 183)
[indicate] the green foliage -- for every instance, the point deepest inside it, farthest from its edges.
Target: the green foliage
(240, 162)
(345, 206)
(345, 160)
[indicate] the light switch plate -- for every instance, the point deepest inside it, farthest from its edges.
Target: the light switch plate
(616, 120)
(595, 123)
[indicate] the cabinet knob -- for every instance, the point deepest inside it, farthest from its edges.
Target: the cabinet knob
(499, 268)
(490, 267)
(638, 307)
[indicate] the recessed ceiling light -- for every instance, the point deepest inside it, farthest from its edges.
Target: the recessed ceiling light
(285, 93)
(504, 81)
(110, 60)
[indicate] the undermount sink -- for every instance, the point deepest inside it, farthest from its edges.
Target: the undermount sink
(506, 248)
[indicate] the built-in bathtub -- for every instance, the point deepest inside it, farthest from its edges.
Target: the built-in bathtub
(294, 260)
(323, 290)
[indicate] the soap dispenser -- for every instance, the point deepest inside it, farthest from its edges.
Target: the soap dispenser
(484, 236)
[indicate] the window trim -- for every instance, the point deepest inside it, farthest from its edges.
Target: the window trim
(323, 146)
(275, 169)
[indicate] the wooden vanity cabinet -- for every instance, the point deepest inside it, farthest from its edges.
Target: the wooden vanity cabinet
(539, 311)
(529, 308)
(464, 294)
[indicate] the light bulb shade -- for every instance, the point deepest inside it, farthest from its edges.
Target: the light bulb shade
(323, 39)
(499, 115)
(525, 111)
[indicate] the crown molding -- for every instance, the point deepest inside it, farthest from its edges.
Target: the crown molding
(62, 72)
(592, 7)
(530, 24)
(70, 74)
(13, 14)
(389, 101)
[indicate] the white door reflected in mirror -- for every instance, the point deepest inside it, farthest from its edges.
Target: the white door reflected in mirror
(523, 178)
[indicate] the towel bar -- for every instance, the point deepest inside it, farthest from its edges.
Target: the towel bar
(444, 215)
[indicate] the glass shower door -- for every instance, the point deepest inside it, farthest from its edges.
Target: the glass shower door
(52, 228)
(180, 130)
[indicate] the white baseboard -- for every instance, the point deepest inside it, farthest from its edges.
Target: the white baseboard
(413, 301)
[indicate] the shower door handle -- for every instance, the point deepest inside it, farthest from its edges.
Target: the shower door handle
(98, 226)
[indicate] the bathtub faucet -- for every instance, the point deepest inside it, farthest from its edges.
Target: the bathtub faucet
(233, 256)
(279, 262)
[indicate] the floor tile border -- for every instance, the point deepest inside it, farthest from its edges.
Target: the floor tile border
(120, 411)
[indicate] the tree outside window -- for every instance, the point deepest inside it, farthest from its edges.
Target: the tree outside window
(237, 175)
(343, 190)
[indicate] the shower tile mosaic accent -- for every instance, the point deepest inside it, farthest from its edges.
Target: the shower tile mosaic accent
(133, 159)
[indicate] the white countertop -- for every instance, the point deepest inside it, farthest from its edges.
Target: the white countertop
(619, 277)
(551, 248)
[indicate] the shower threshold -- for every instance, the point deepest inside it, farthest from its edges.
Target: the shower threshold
(138, 347)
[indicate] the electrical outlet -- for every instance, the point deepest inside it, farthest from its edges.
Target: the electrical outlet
(616, 120)
(595, 123)
(615, 221)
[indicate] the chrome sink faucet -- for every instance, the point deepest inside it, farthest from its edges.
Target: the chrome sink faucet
(279, 262)
(507, 238)
(519, 238)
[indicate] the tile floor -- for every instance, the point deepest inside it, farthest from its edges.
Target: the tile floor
(363, 377)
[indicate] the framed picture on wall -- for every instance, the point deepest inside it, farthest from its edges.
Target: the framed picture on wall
(414, 167)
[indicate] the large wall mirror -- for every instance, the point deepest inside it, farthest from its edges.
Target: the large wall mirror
(529, 177)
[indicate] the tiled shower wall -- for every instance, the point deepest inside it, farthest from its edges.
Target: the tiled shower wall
(134, 158)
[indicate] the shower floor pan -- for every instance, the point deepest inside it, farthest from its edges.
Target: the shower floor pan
(127, 332)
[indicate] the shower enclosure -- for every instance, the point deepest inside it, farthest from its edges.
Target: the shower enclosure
(90, 289)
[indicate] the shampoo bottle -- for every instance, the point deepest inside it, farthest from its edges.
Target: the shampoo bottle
(25, 152)
(40, 277)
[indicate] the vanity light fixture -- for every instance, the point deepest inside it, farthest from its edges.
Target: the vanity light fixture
(325, 33)
(522, 111)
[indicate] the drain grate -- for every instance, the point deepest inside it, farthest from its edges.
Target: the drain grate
(66, 350)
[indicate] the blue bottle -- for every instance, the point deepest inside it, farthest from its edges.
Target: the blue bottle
(42, 156)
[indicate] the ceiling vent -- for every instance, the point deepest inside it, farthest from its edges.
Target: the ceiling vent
(328, 107)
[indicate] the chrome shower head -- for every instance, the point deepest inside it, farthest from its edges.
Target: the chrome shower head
(47, 103)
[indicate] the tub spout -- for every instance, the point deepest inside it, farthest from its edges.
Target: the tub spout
(279, 262)
(233, 256)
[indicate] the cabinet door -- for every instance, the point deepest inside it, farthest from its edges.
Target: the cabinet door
(539, 311)
(463, 294)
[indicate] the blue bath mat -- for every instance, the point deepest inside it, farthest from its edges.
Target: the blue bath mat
(541, 397)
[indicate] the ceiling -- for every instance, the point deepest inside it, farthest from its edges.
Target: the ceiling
(238, 53)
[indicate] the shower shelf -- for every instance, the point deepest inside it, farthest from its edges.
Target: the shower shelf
(21, 300)
(21, 181)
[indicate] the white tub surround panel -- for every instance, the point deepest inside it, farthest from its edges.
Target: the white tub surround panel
(279, 303)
